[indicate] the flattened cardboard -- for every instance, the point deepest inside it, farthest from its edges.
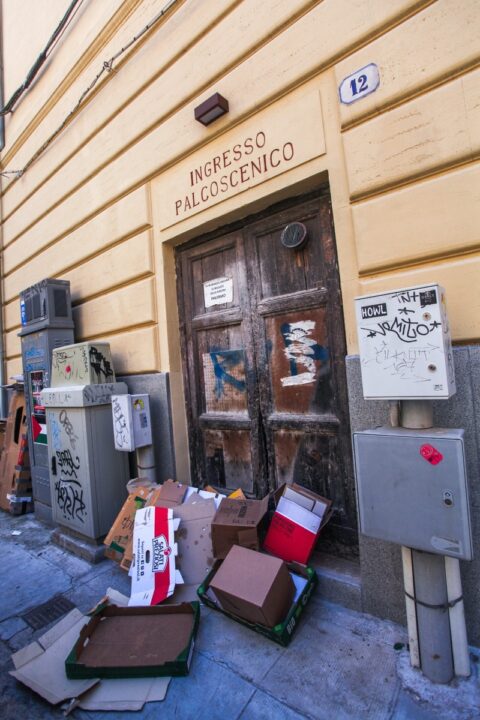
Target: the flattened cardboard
(254, 586)
(122, 694)
(193, 537)
(283, 632)
(153, 569)
(295, 526)
(41, 665)
(135, 642)
(47, 676)
(237, 522)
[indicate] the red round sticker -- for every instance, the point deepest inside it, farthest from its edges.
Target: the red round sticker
(431, 454)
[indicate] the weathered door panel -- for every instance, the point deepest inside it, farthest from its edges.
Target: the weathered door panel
(265, 372)
(300, 350)
(220, 367)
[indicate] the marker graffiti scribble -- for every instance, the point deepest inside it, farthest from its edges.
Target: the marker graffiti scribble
(68, 466)
(69, 498)
(68, 428)
(406, 329)
(100, 365)
(120, 429)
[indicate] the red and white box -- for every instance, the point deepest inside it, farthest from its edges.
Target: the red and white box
(296, 524)
(153, 571)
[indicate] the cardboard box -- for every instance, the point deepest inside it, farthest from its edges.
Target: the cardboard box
(153, 571)
(170, 494)
(193, 537)
(296, 524)
(121, 532)
(253, 586)
(205, 494)
(238, 522)
(119, 540)
(15, 450)
(305, 580)
(130, 642)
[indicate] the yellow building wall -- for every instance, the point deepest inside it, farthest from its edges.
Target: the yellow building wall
(97, 206)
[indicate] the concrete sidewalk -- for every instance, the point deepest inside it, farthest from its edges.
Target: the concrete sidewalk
(341, 664)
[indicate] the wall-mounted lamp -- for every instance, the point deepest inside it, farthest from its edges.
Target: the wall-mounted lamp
(211, 109)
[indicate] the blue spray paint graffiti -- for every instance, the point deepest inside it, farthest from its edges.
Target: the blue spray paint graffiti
(55, 428)
(224, 362)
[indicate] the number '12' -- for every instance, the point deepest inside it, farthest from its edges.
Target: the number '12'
(362, 85)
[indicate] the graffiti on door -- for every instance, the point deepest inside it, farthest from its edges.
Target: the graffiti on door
(301, 351)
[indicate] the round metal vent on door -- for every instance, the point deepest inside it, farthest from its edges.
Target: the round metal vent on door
(293, 235)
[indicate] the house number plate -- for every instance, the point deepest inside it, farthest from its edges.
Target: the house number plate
(359, 84)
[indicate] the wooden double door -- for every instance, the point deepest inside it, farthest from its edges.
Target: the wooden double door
(263, 355)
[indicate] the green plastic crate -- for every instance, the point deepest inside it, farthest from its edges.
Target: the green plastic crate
(177, 666)
(283, 632)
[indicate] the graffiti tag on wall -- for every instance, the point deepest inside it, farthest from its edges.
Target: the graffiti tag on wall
(121, 431)
(76, 364)
(68, 491)
(69, 498)
(403, 335)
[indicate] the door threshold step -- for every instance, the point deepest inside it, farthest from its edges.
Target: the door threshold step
(338, 580)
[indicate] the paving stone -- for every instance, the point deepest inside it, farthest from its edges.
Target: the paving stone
(26, 584)
(329, 671)
(407, 709)
(236, 647)
(74, 566)
(9, 628)
(5, 654)
(265, 707)
(24, 637)
(86, 594)
(210, 692)
(20, 703)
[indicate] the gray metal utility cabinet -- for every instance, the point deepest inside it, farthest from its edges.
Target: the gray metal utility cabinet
(46, 315)
(412, 489)
(88, 476)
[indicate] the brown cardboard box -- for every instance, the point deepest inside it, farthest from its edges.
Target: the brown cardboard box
(254, 586)
(237, 522)
(15, 451)
(169, 495)
(120, 533)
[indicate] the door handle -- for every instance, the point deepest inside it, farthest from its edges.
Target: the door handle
(54, 465)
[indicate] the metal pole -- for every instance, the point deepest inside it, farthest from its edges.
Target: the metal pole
(433, 622)
(146, 463)
(424, 573)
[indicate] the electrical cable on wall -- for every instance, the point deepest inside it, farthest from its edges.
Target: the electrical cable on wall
(107, 67)
(34, 70)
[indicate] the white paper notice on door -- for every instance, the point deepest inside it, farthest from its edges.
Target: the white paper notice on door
(218, 291)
